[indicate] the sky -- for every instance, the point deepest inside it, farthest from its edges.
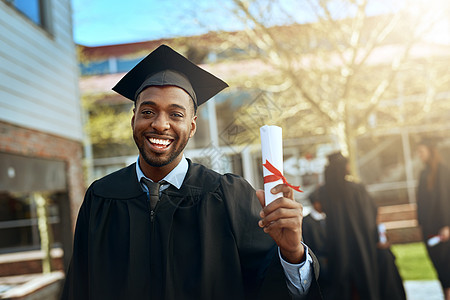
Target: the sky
(107, 22)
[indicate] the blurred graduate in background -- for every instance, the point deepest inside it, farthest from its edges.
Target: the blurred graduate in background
(433, 210)
(358, 264)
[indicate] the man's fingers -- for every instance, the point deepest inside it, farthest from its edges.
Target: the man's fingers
(281, 202)
(292, 224)
(282, 213)
(283, 188)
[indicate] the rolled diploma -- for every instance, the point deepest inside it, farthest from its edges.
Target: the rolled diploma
(272, 150)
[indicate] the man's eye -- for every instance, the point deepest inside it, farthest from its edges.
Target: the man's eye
(177, 115)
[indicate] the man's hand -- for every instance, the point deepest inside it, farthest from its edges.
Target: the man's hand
(282, 220)
(381, 245)
(444, 233)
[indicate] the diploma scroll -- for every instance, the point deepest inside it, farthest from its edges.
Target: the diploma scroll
(272, 152)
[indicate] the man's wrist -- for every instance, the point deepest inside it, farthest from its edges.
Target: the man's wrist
(294, 257)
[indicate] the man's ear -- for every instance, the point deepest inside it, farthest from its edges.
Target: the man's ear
(193, 126)
(132, 118)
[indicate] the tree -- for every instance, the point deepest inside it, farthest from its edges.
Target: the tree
(108, 125)
(331, 74)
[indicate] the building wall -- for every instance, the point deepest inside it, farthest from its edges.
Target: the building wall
(40, 110)
(39, 72)
(40, 121)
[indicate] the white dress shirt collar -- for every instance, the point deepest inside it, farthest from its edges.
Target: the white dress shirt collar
(175, 177)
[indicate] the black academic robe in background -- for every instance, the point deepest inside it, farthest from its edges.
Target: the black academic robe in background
(433, 213)
(391, 283)
(352, 239)
(203, 242)
(314, 235)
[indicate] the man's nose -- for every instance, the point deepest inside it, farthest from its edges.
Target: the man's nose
(161, 122)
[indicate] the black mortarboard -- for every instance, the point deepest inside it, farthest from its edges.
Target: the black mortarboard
(164, 66)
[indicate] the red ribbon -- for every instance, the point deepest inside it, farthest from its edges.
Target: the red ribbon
(276, 175)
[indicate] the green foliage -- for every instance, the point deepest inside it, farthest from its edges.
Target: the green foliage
(109, 126)
(413, 262)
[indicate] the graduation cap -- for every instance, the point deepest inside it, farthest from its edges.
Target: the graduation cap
(164, 66)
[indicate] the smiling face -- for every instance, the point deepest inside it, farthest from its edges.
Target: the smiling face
(163, 122)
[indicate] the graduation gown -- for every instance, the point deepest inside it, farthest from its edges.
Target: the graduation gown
(352, 239)
(433, 213)
(314, 235)
(203, 242)
(391, 283)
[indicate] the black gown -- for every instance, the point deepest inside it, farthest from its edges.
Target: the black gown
(433, 213)
(390, 281)
(314, 235)
(203, 242)
(352, 240)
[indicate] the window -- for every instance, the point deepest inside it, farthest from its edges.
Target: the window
(95, 68)
(125, 65)
(109, 66)
(29, 185)
(19, 220)
(35, 10)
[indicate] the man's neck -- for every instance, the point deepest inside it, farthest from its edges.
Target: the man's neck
(158, 173)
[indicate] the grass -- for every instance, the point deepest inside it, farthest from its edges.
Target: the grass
(413, 262)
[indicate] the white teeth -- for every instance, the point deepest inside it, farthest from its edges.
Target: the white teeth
(159, 141)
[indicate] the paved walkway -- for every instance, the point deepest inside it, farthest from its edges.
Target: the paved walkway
(423, 290)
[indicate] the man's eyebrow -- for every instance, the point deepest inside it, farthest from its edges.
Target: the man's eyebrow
(178, 106)
(152, 103)
(148, 102)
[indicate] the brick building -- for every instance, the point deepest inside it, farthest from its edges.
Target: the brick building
(40, 134)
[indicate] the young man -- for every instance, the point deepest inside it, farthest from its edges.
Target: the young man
(166, 228)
